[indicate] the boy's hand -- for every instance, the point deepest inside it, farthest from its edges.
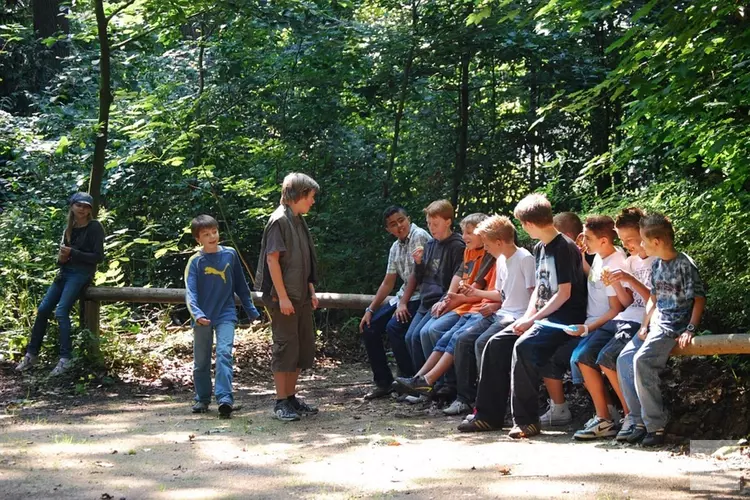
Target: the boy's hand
(522, 325)
(417, 254)
(618, 275)
(488, 309)
(437, 309)
(469, 291)
(643, 333)
(684, 339)
(203, 321)
(402, 313)
(315, 301)
(366, 318)
(577, 332)
(286, 307)
(453, 299)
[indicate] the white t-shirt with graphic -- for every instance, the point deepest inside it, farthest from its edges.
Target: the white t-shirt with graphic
(641, 269)
(514, 278)
(598, 300)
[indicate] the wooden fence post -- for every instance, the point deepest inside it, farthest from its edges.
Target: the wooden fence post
(90, 321)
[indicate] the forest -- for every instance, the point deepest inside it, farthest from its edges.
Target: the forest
(165, 109)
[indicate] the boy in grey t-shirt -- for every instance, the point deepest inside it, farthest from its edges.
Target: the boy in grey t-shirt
(678, 297)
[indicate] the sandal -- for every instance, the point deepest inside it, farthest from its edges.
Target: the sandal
(524, 431)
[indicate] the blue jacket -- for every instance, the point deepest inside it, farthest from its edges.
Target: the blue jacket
(211, 280)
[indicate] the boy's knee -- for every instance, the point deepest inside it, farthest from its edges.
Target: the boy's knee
(62, 311)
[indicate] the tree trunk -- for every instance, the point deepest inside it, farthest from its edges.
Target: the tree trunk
(49, 20)
(105, 101)
(463, 126)
(402, 100)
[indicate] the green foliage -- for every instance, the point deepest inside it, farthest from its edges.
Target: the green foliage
(600, 104)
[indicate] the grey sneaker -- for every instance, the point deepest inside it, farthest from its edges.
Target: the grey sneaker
(62, 366)
(26, 363)
(457, 408)
(200, 407)
(283, 411)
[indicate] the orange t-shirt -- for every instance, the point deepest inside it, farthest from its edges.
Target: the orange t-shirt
(490, 277)
(470, 268)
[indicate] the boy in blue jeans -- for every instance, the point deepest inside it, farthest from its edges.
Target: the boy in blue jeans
(212, 276)
(677, 294)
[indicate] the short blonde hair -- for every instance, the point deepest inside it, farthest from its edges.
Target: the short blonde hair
(297, 186)
(497, 228)
(534, 209)
(472, 220)
(439, 208)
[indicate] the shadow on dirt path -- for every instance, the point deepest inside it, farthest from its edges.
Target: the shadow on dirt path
(133, 445)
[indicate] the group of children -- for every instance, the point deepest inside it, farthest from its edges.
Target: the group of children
(484, 321)
(477, 319)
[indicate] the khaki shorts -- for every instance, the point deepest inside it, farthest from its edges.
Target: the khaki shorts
(293, 338)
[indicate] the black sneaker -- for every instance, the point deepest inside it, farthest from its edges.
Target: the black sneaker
(200, 407)
(225, 410)
(283, 411)
(301, 407)
(414, 386)
(378, 392)
(637, 434)
(655, 438)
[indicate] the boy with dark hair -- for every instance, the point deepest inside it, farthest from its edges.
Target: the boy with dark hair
(212, 276)
(605, 302)
(559, 297)
(569, 224)
(435, 266)
(287, 273)
(677, 294)
(395, 316)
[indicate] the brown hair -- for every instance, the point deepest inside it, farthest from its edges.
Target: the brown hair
(534, 209)
(497, 228)
(629, 217)
(70, 224)
(568, 223)
(657, 226)
(297, 186)
(602, 226)
(472, 220)
(439, 208)
(202, 222)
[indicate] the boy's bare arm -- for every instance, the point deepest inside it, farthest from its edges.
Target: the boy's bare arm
(383, 290)
(625, 297)
(650, 308)
(493, 295)
(274, 269)
(699, 304)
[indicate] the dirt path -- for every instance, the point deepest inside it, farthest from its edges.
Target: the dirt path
(152, 447)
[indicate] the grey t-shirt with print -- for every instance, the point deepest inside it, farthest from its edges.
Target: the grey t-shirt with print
(675, 284)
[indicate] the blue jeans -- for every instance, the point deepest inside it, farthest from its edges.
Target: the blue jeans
(590, 347)
(203, 337)
(447, 342)
(638, 370)
(413, 339)
(384, 322)
(60, 298)
(437, 328)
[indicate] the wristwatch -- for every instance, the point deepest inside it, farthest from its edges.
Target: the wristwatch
(690, 328)
(368, 309)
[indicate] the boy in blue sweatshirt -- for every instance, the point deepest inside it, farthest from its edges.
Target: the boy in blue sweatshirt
(212, 276)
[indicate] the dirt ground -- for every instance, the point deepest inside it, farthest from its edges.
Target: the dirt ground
(120, 443)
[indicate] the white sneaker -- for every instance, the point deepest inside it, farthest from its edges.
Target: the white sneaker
(556, 415)
(468, 418)
(614, 416)
(26, 363)
(457, 408)
(62, 366)
(599, 428)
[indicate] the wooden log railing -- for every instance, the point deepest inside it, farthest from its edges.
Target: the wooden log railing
(707, 345)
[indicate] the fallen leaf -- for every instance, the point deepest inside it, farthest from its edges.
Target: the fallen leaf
(394, 443)
(191, 437)
(504, 470)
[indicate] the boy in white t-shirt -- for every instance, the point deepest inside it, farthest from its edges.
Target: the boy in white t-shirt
(605, 303)
(515, 282)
